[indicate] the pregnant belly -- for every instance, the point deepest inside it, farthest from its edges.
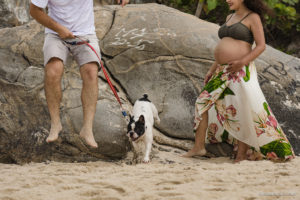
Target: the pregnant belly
(229, 49)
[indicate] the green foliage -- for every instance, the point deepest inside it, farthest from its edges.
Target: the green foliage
(211, 4)
(183, 5)
(286, 15)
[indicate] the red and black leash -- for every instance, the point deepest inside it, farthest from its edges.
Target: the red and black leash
(86, 42)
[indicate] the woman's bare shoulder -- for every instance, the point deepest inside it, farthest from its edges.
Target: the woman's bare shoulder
(254, 17)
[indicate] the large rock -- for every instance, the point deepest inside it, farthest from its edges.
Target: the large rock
(148, 49)
(14, 12)
(25, 122)
(157, 50)
(151, 52)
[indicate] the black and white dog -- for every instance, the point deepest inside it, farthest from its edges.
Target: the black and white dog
(141, 124)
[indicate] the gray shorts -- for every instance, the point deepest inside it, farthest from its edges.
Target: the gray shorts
(54, 46)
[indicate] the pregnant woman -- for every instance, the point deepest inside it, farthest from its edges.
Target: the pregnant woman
(231, 107)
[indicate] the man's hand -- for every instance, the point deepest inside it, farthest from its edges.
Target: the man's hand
(235, 66)
(40, 16)
(65, 33)
(123, 2)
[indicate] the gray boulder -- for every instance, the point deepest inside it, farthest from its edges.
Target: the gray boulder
(166, 53)
(24, 115)
(14, 12)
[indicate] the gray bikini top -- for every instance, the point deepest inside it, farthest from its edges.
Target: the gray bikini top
(237, 31)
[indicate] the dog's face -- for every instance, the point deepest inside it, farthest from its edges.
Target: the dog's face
(136, 129)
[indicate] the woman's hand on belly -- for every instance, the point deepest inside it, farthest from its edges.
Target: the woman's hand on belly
(235, 66)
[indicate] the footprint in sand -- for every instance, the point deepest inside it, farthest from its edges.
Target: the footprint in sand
(11, 190)
(284, 173)
(7, 198)
(169, 194)
(118, 189)
(169, 182)
(216, 189)
(90, 193)
(71, 187)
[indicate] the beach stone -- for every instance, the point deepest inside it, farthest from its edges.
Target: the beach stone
(147, 48)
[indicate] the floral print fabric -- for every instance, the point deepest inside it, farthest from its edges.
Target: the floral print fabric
(237, 110)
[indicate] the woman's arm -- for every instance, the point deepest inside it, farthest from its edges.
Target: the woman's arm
(259, 38)
(213, 67)
(40, 16)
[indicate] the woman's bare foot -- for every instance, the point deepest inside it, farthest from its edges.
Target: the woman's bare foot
(194, 152)
(88, 136)
(240, 158)
(241, 152)
(54, 131)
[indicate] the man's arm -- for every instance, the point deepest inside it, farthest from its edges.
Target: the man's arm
(40, 16)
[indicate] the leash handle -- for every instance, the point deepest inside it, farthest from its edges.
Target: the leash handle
(77, 43)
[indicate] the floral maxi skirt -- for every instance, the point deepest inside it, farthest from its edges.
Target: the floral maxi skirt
(238, 110)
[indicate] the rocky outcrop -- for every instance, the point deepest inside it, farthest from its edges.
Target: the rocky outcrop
(149, 49)
(166, 53)
(24, 117)
(14, 12)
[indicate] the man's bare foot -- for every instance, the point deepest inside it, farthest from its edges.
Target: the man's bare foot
(194, 152)
(54, 131)
(89, 138)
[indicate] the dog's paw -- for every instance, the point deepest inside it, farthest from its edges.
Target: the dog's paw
(146, 160)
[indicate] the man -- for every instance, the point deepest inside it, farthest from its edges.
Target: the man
(67, 20)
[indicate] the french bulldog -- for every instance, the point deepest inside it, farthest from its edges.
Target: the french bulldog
(141, 124)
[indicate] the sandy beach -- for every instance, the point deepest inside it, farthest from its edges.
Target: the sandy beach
(168, 176)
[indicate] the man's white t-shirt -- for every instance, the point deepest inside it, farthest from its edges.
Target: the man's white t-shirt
(76, 15)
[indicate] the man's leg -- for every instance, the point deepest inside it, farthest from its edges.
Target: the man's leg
(53, 74)
(89, 96)
(199, 146)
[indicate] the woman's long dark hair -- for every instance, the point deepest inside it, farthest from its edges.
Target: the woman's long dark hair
(259, 7)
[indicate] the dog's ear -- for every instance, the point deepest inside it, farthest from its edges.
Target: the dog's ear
(131, 118)
(142, 119)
